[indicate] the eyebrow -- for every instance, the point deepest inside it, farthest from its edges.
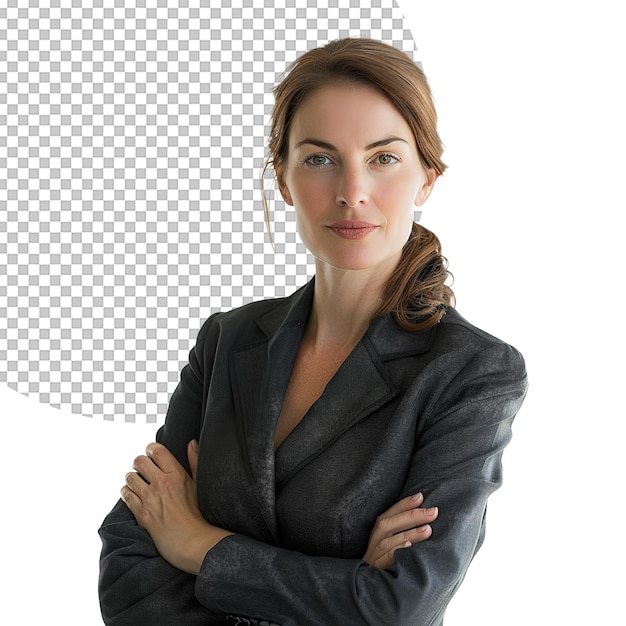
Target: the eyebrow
(329, 146)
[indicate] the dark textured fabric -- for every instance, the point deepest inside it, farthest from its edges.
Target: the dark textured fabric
(406, 412)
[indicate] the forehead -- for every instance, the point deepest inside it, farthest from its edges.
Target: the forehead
(347, 110)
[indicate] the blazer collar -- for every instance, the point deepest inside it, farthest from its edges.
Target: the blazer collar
(388, 339)
(290, 312)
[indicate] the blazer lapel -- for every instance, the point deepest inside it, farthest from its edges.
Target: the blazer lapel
(260, 374)
(357, 389)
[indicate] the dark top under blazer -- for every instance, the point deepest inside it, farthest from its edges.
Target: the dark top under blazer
(406, 412)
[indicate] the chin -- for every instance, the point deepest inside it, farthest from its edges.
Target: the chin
(359, 262)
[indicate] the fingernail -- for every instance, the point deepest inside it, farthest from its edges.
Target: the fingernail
(433, 511)
(418, 497)
(194, 445)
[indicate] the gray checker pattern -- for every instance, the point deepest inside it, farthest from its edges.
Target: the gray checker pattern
(132, 137)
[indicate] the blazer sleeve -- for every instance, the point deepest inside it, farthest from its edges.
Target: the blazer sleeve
(136, 585)
(456, 464)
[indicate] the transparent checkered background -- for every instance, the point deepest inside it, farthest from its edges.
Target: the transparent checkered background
(132, 137)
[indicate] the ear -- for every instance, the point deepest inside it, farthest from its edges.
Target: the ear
(282, 187)
(426, 187)
(284, 192)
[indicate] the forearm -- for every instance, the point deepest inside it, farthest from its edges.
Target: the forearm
(136, 585)
(247, 578)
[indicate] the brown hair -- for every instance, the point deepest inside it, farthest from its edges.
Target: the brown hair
(416, 293)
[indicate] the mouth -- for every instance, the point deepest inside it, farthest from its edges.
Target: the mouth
(352, 229)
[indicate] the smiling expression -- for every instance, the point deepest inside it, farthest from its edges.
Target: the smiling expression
(354, 176)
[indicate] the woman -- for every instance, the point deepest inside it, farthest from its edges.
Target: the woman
(327, 457)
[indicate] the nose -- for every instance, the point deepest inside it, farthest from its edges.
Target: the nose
(352, 188)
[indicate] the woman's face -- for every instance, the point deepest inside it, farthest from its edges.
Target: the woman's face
(354, 176)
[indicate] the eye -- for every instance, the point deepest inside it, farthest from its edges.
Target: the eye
(317, 160)
(386, 159)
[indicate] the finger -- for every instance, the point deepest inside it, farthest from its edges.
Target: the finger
(162, 458)
(388, 558)
(404, 539)
(129, 497)
(401, 541)
(135, 484)
(135, 504)
(146, 468)
(192, 455)
(382, 541)
(406, 504)
(391, 525)
(421, 533)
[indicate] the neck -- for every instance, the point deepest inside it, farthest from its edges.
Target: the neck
(344, 303)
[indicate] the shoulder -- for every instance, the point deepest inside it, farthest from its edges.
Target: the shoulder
(478, 356)
(457, 333)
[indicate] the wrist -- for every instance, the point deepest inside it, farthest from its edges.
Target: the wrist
(197, 549)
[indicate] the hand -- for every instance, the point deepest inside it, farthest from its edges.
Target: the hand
(162, 497)
(399, 527)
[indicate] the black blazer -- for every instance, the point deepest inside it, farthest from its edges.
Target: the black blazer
(406, 412)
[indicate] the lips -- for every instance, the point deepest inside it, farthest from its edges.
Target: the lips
(352, 229)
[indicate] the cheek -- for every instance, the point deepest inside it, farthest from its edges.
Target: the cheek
(403, 226)
(310, 199)
(398, 200)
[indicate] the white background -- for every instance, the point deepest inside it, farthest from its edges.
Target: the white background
(531, 104)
